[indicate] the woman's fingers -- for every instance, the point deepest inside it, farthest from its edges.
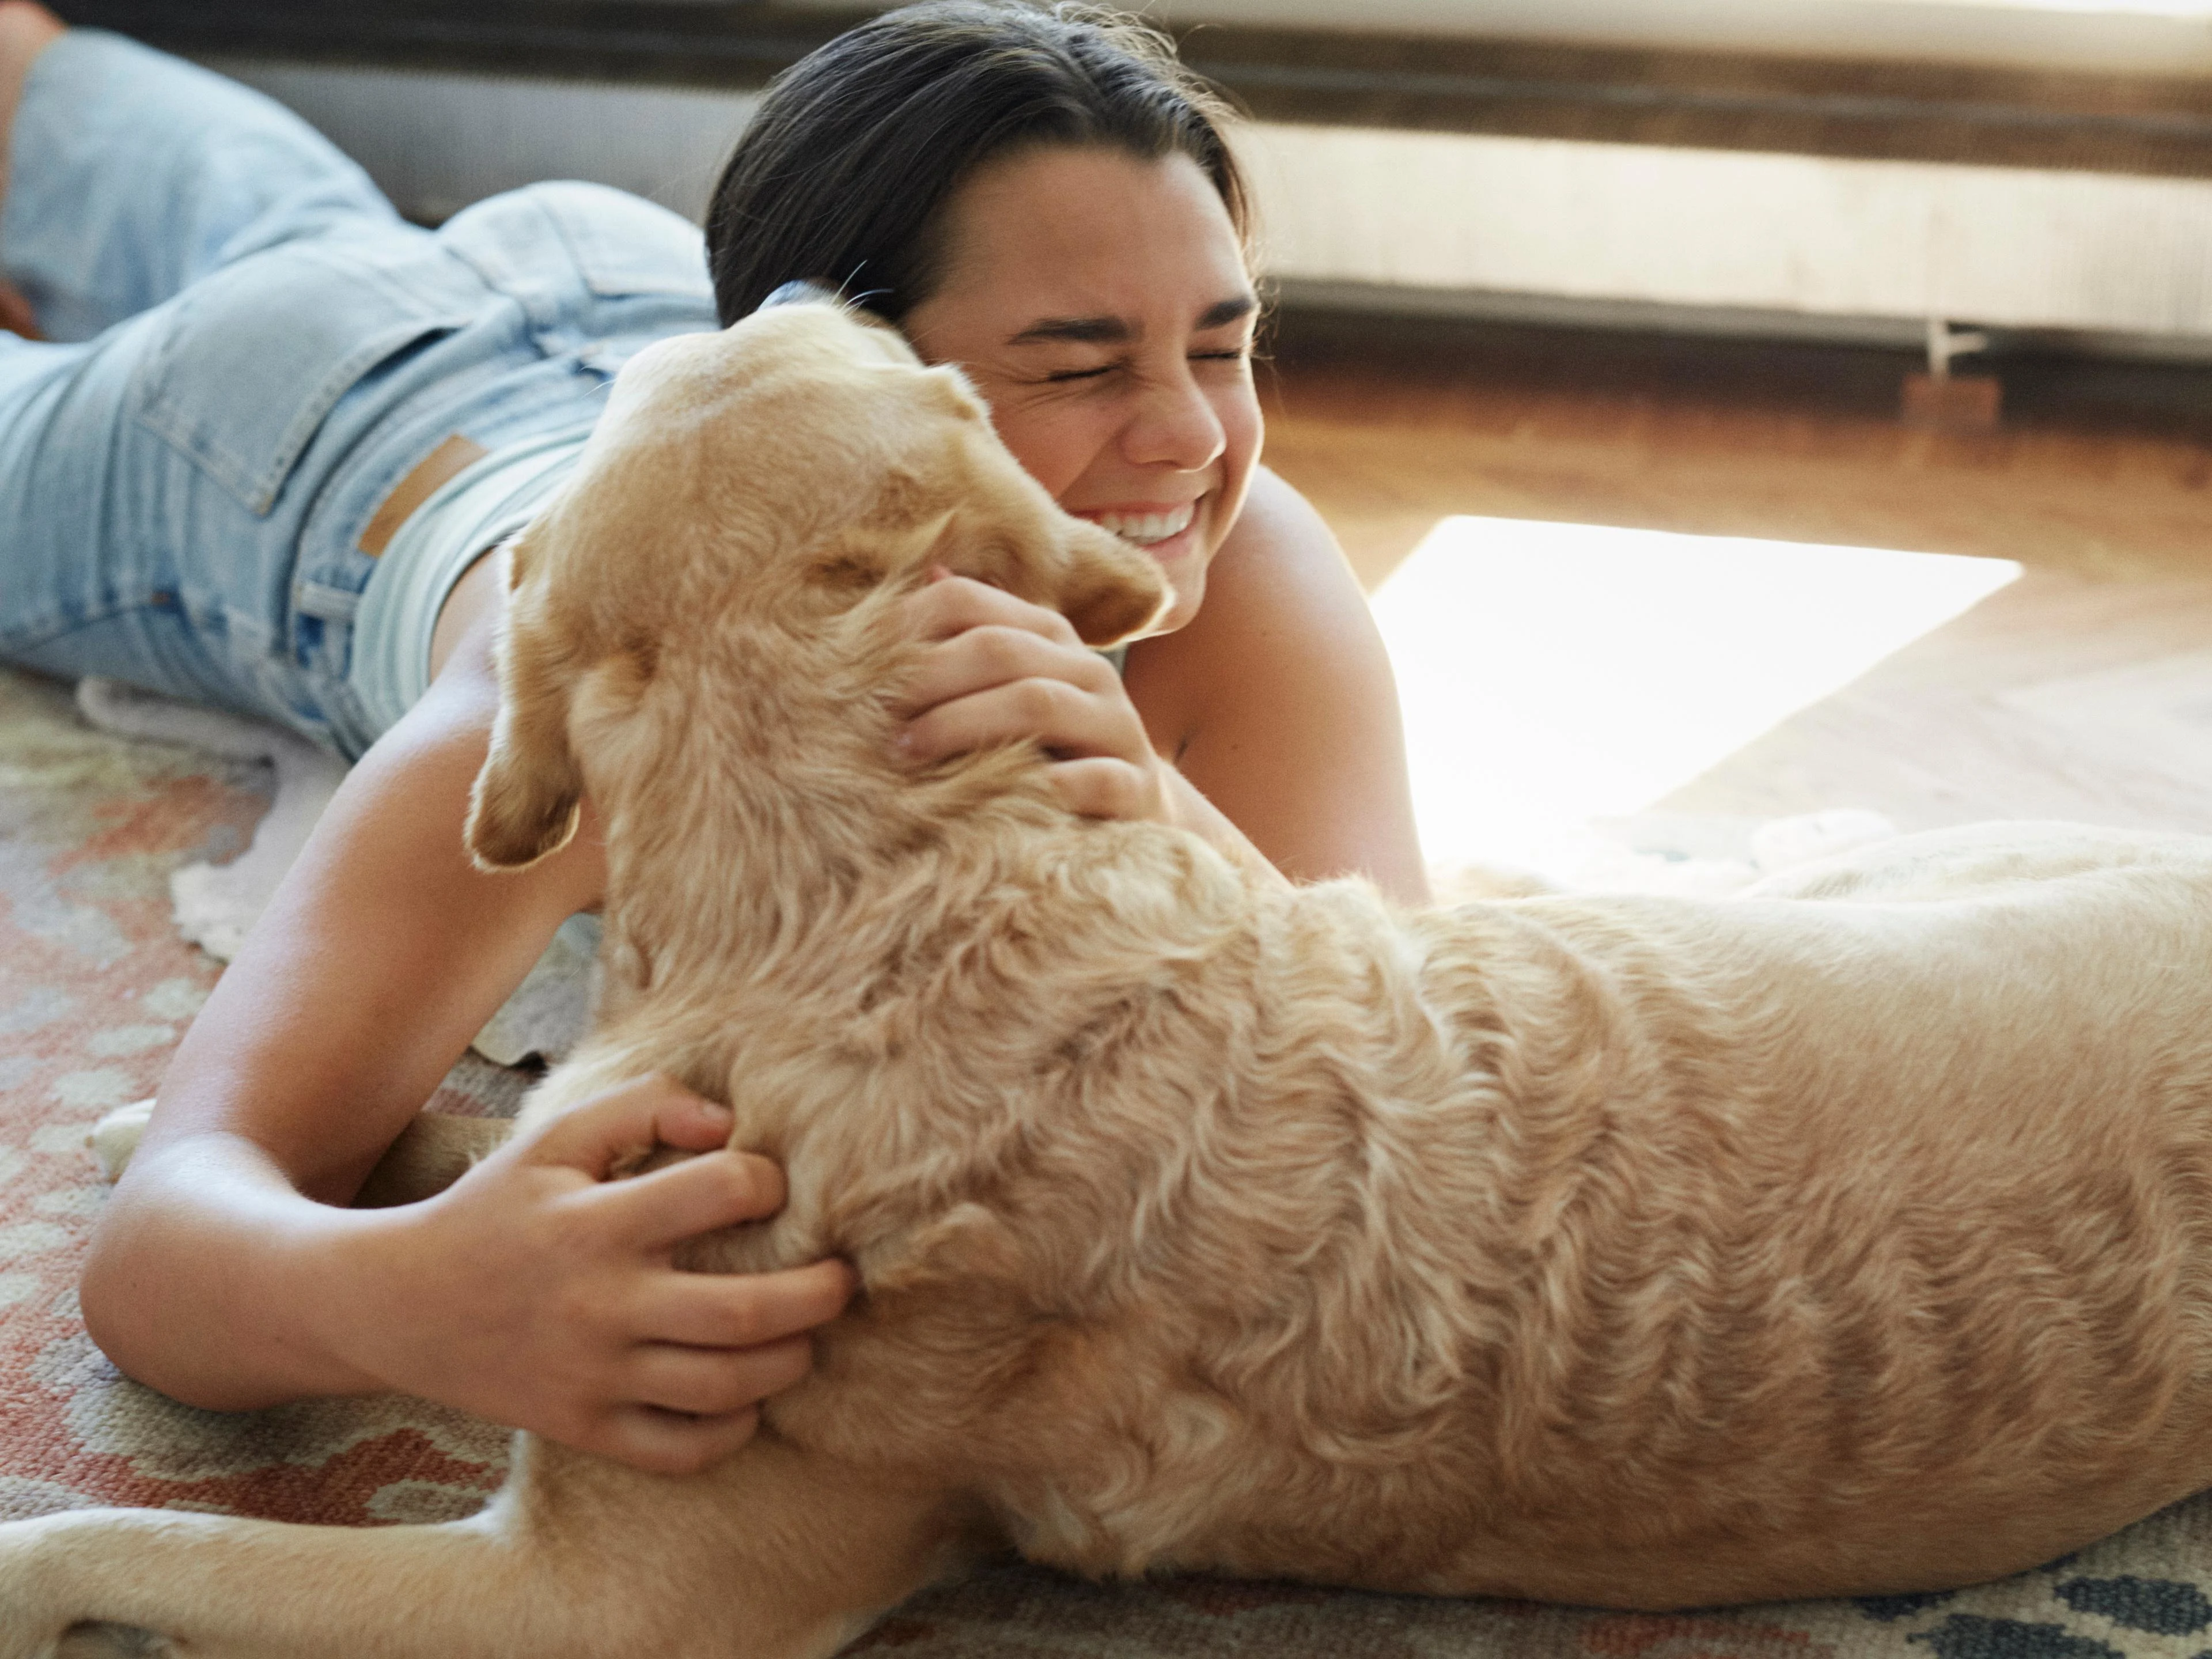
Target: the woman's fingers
(716, 1382)
(541, 1292)
(1103, 788)
(1105, 767)
(1064, 722)
(691, 1404)
(730, 1310)
(662, 1442)
(626, 1122)
(699, 1196)
(992, 655)
(951, 604)
(998, 671)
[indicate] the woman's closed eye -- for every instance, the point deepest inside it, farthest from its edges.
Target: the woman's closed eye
(1234, 355)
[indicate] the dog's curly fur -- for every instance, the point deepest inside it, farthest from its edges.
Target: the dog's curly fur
(1852, 1236)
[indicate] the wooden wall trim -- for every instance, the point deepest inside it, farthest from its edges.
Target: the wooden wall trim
(2106, 123)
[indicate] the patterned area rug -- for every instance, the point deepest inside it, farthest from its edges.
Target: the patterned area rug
(96, 988)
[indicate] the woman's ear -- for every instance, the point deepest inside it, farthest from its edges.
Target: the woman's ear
(526, 799)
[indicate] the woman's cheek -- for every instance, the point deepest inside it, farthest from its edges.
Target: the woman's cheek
(1243, 428)
(1056, 450)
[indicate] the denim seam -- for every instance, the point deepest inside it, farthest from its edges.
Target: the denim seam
(60, 625)
(580, 239)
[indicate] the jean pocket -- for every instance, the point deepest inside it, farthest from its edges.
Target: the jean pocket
(625, 245)
(256, 355)
(617, 246)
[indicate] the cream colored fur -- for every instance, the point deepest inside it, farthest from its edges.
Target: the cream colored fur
(1853, 1236)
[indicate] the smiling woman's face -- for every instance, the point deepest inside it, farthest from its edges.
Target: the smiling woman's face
(1101, 305)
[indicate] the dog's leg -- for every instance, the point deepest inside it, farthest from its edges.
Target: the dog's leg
(246, 1589)
(773, 1555)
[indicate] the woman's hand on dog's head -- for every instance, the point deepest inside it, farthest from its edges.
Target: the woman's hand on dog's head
(539, 1293)
(996, 668)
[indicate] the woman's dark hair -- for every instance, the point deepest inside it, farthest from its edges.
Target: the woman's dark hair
(844, 172)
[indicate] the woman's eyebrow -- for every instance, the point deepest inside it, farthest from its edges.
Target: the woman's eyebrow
(1115, 330)
(1227, 312)
(1083, 330)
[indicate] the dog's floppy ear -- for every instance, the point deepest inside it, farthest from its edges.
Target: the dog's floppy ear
(525, 800)
(1109, 589)
(1106, 589)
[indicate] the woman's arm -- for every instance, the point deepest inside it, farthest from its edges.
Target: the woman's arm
(531, 1291)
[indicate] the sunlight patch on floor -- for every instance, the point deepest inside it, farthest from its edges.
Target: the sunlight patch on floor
(1555, 673)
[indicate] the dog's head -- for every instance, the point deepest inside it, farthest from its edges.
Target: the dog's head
(781, 483)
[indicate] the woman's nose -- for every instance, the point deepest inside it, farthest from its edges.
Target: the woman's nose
(1173, 425)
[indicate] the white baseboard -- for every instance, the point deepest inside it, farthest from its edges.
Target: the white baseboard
(1815, 236)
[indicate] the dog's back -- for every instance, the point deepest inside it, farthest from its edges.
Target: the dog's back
(1606, 1249)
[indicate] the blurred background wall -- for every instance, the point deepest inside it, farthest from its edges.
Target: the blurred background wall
(1836, 169)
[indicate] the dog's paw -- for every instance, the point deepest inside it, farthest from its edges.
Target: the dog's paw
(116, 1136)
(45, 1563)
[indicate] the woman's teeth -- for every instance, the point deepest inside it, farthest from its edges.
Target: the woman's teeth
(1146, 528)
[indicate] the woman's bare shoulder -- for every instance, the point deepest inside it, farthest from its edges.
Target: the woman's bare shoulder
(1279, 584)
(1278, 703)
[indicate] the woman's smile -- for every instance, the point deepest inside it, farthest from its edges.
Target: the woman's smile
(1147, 526)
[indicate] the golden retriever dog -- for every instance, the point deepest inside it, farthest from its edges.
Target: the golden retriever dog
(1852, 1236)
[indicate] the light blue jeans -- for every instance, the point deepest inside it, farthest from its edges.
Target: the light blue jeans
(248, 351)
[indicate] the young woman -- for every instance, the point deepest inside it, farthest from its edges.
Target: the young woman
(258, 460)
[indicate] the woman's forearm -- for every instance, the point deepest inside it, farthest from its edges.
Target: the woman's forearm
(213, 1280)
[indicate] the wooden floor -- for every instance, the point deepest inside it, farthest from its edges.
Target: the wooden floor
(2084, 690)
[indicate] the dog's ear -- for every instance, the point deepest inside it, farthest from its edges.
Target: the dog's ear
(527, 798)
(1105, 588)
(1109, 592)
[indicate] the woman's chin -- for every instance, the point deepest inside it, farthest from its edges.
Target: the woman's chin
(1186, 578)
(1181, 559)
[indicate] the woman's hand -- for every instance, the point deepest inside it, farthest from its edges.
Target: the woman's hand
(538, 1292)
(998, 669)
